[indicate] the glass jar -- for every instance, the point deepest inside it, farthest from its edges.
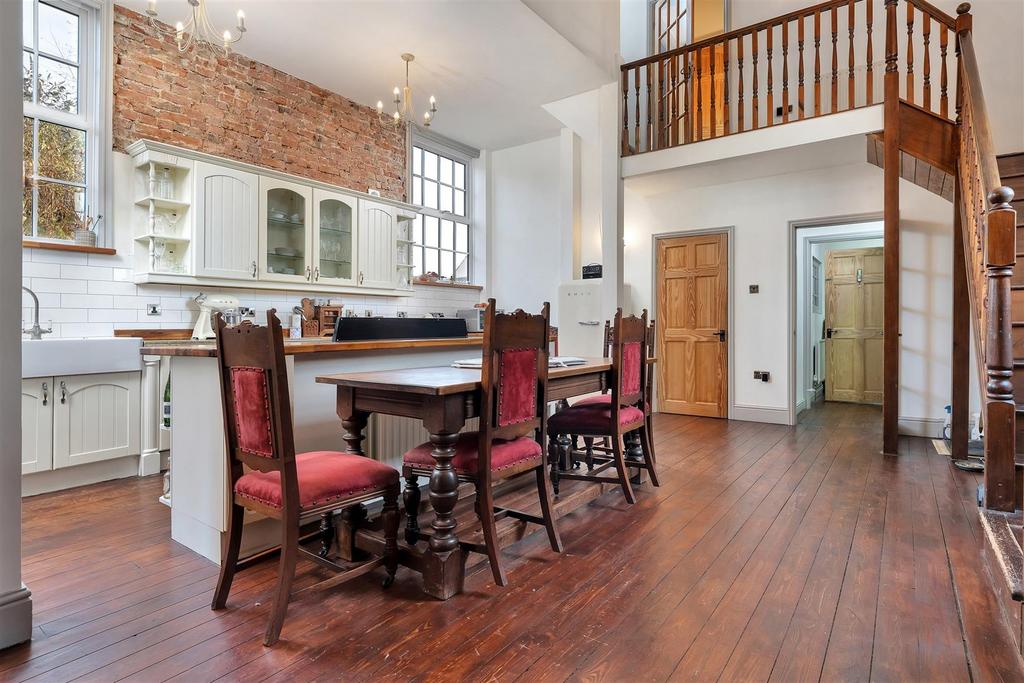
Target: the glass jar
(164, 183)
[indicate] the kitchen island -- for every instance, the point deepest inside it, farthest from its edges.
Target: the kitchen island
(198, 496)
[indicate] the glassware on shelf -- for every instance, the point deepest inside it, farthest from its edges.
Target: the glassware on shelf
(163, 185)
(164, 223)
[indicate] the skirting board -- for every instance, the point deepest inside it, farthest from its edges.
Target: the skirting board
(15, 617)
(80, 475)
(778, 416)
(928, 427)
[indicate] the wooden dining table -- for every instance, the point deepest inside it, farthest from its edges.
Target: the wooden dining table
(443, 398)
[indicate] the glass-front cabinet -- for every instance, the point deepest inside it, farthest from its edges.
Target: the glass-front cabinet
(286, 240)
(334, 218)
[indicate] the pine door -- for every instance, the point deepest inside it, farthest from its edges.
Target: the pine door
(693, 308)
(854, 307)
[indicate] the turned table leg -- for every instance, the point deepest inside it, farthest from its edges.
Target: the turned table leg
(444, 566)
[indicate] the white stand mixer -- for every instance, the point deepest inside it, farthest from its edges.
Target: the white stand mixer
(208, 305)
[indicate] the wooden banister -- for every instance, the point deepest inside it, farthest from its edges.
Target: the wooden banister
(988, 223)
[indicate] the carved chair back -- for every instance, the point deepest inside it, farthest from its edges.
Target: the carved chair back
(256, 405)
(629, 358)
(514, 378)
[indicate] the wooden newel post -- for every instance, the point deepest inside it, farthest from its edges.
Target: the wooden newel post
(891, 185)
(964, 23)
(1000, 447)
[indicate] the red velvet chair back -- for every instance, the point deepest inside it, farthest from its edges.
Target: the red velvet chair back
(515, 377)
(629, 360)
(254, 394)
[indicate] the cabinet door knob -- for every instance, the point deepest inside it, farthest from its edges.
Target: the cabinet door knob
(254, 269)
(316, 274)
(63, 393)
(309, 273)
(360, 277)
(46, 393)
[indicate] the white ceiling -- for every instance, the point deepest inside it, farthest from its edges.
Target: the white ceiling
(490, 63)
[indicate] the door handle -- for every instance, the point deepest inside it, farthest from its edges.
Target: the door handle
(721, 335)
(254, 269)
(316, 274)
(590, 323)
(828, 333)
(46, 393)
(360, 277)
(63, 393)
(309, 274)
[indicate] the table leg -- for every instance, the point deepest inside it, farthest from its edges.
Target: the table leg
(354, 426)
(444, 565)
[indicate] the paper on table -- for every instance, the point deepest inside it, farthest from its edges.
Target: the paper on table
(553, 362)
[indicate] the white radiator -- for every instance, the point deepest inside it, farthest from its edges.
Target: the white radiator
(388, 437)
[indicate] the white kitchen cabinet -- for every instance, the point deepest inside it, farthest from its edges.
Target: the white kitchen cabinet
(225, 206)
(286, 235)
(95, 417)
(334, 238)
(36, 424)
(376, 245)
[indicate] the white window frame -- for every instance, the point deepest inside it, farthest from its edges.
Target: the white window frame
(465, 155)
(95, 95)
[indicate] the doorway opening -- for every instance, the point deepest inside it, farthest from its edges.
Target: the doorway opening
(838, 307)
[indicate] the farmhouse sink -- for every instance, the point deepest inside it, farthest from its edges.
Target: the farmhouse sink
(79, 356)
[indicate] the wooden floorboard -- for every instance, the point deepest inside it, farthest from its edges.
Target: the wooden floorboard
(769, 553)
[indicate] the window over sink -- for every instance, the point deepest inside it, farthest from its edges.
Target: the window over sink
(442, 230)
(63, 79)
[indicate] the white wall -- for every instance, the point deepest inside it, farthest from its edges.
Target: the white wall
(761, 209)
(15, 602)
(525, 240)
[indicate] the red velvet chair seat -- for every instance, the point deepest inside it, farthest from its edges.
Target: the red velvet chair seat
(504, 454)
(324, 476)
(603, 399)
(593, 418)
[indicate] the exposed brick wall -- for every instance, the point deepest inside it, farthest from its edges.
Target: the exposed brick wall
(235, 107)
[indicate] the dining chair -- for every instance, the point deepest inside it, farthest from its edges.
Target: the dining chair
(514, 387)
(623, 412)
(266, 475)
(604, 398)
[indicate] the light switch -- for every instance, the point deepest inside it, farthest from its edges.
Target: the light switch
(754, 289)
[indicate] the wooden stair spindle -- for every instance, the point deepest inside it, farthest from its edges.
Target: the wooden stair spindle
(926, 63)
(636, 102)
(817, 62)
(785, 72)
(944, 75)
(755, 118)
(664, 101)
(1000, 255)
(687, 102)
(739, 87)
(835, 59)
(770, 93)
(726, 112)
(648, 129)
(910, 52)
(699, 127)
(851, 95)
(800, 67)
(869, 57)
(625, 113)
(713, 91)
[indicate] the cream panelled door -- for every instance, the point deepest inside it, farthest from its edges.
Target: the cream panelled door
(227, 241)
(853, 321)
(693, 306)
(96, 417)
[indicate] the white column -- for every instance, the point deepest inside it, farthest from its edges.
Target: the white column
(569, 198)
(609, 118)
(15, 598)
(152, 413)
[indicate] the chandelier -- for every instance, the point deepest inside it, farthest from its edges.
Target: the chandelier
(198, 28)
(404, 111)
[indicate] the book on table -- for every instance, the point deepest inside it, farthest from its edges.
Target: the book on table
(553, 362)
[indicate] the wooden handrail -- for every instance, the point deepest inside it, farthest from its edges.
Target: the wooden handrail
(988, 222)
(736, 33)
(934, 12)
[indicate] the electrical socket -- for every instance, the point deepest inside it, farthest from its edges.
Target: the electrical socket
(246, 312)
(762, 375)
(153, 309)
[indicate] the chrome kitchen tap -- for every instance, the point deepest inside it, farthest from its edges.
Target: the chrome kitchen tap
(36, 332)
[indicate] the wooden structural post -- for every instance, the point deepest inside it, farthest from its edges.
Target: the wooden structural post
(1000, 446)
(960, 365)
(891, 184)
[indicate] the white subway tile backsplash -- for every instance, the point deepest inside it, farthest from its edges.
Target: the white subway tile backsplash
(86, 272)
(110, 287)
(30, 269)
(87, 297)
(86, 301)
(113, 315)
(56, 285)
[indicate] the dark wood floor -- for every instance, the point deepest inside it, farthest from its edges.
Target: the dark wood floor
(769, 553)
